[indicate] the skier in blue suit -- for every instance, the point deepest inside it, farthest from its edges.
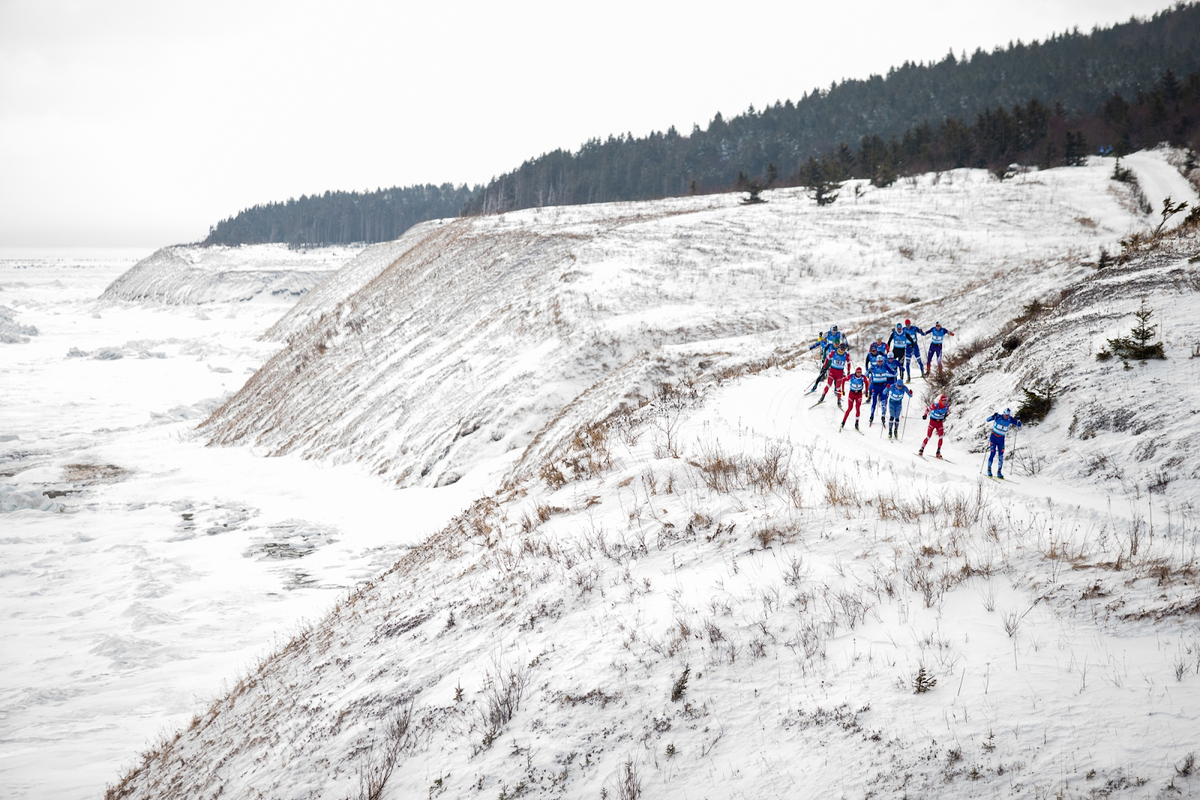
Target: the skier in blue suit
(879, 375)
(898, 341)
(896, 394)
(911, 332)
(937, 334)
(1002, 421)
(828, 342)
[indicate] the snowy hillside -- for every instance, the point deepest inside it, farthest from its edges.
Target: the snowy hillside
(190, 275)
(692, 584)
(485, 335)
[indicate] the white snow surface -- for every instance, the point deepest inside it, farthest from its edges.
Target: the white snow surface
(706, 589)
(194, 275)
(139, 570)
(473, 337)
(676, 576)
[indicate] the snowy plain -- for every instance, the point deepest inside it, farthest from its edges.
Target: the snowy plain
(140, 570)
(674, 577)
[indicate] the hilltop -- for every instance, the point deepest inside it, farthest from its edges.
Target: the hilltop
(1041, 103)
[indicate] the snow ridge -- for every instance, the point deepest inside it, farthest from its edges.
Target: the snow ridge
(193, 275)
(483, 331)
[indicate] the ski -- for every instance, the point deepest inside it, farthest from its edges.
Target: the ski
(1001, 480)
(934, 458)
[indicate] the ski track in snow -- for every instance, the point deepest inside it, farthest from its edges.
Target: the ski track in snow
(136, 594)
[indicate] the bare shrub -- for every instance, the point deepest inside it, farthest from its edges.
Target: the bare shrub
(667, 413)
(629, 785)
(502, 693)
(892, 507)
(795, 573)
(841, 493)
(722, 473)
(588, 455)
(385, 752)
(764, 536)
(770, 471)
(553, 477)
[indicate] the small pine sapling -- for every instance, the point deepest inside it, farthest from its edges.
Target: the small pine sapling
(1076, 149)
(1169, 210)
(923, 682)
(819, 177)
(756, 186)
(1137, 346)
(679, 688)
(1038, 401)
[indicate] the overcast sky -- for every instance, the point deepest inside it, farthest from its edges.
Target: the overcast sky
(142, 123)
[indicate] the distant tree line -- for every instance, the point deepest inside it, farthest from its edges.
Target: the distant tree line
(1048, 102)
(341, 217)
(1075, 72)
(1032, 134)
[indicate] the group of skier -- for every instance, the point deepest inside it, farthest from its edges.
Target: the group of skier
(888, 365)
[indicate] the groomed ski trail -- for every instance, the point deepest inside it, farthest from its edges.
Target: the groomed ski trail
(772, 405)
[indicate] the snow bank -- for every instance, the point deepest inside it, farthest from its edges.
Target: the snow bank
(12, 332)
(192, 275)
(472, 337)
(719, 595)
(13, 499)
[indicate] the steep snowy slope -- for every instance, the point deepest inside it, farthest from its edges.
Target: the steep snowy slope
(187, 274)
(1131, 425)
(714, 592)
(720, 595)
(482, 332)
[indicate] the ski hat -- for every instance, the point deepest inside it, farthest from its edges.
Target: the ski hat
(908, 322)
(833, 328)
(937, 324)
(1007, 412)
(943, 399)
(858, 370)
(899, 326)
(879, 360)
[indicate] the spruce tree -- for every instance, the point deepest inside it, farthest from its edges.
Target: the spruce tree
(1137, 346)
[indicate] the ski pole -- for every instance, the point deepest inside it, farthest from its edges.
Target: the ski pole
(904, 424)
(983, 463)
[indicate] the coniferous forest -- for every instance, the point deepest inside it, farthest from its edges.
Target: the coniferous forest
(1040, 103)
(341, 217)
